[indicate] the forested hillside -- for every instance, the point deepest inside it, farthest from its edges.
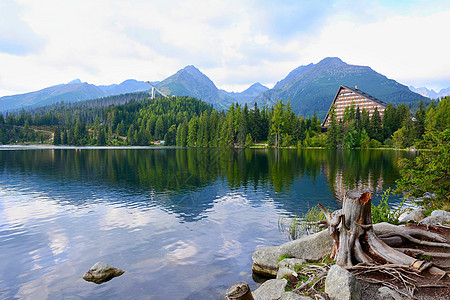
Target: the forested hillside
(134, 119)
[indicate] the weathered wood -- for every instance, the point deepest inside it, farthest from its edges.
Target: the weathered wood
(356, 242)
(239, 291)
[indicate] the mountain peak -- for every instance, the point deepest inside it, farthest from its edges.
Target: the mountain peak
(75, 81)
(331, 60)
(191, 69)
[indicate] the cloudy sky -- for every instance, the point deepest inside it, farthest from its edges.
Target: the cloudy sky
(235, 43)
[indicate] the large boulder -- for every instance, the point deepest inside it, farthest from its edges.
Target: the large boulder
(412, 215)
(101, 272)
(270, 290)
(310, 248)
(437, 217)
(340, 284)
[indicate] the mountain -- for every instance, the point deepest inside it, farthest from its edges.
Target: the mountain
(189, 81)
(432, 94)
(73, 91)
(313, 87)
(249, 95)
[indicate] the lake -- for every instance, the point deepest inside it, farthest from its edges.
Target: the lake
(182, 223)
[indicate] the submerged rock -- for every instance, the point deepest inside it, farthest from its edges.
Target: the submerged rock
(101, 272)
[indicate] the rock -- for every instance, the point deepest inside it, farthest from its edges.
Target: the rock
(385, 293)
(294, 296)
(271, 289)
(340, 284)
(287, 266)
(310, 248)
(412, 215)
(265, 261)
(291, 263)
(437, 217)
(440, 213)
(101, 272)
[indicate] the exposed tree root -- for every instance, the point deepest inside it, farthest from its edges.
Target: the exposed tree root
(356, 242)
(418, 252)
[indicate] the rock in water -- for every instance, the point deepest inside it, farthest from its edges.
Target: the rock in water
(101, 272)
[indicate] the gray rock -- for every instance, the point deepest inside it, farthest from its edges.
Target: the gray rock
(440, 213)
(412, 215)
(101, 272)
(287, 266)
(310, 248)
(340, 284)
(437, 217)
(291, 263)
(282, 272)
(385, 293)
(265, 261)
(270, 290)
(293, 296)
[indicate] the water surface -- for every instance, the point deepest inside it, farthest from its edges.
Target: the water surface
(182, 223)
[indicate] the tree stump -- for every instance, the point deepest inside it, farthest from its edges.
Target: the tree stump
(239, 291)
(356, 242)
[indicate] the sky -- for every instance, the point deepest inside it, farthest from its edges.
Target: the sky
(235, 43)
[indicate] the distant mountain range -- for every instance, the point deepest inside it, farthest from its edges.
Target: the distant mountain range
(249, 95)
(310, 87)
(430, 93)
(313, 87)
(70, 92)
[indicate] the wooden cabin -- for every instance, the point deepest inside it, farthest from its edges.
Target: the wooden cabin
(345, 96)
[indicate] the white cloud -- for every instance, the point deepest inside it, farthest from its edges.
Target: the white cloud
(235, 43)
(405, 48)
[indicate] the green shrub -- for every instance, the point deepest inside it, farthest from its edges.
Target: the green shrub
(383, 213)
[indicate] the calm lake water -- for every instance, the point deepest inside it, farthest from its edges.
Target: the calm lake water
(182, 223)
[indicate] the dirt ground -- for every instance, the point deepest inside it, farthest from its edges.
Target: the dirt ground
(425, 285)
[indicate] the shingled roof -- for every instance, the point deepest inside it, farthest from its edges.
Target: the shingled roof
(357, 91)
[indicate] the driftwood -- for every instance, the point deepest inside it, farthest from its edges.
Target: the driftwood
(355, 241)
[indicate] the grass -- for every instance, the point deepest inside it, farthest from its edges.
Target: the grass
(383, 212)
(284, 256)
(301, 225)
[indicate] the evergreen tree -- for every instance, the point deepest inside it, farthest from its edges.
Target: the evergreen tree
(101, 138)
(159, 128)
(277, 122)
(57, 136)
(376, 129)
(192, 132)
(332, 130)
(419, 123)
(64, 137)
(390, 121)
